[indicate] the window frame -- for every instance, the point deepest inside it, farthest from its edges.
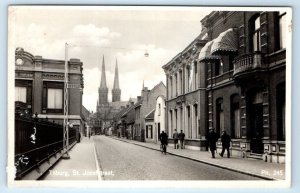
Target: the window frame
(280, 29)
(253, 31)
(51, 85)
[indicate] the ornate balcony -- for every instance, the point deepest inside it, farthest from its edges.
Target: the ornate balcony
(247, 64)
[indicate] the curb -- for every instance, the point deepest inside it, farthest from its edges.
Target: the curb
(201, 161)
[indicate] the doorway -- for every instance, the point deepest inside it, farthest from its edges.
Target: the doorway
(256, 126)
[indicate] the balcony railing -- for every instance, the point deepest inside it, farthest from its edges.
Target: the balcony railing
(248, 62)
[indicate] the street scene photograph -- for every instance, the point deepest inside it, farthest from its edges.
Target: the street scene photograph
(149, 93)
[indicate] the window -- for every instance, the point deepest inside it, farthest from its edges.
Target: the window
(235, 116)
(55, 98)
(220, 116)
(181, 83)
(149, 132)
(256, 42)
(20, 94)
(171, 86)
(196, 80)
(176, 119)
(159, 109)
(188, 68)
(176, 85)
(282, 28)
(219, 67)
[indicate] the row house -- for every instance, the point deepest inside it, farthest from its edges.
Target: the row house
(186, 94)
(39, 84)
(144, 107)
(242, 68)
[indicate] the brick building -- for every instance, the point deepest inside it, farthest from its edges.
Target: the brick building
(39, 83)
(186, 93)
(245, 60)
(242, 82)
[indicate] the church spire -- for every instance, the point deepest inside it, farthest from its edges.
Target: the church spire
(103, 90)
(116, 91)
(116, 80)
(103, 76)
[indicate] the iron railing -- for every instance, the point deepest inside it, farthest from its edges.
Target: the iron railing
(36, 141)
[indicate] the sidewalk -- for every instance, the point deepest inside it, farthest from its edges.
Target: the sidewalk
(82, 164)
(258, 168)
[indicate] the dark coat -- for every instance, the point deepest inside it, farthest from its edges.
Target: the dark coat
(181, 136)
(225, 138)
(163, 138)
(212, 138)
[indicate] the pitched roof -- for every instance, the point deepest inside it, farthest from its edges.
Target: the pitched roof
(150, 115)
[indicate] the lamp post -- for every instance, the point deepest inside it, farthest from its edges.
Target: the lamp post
(66, 108)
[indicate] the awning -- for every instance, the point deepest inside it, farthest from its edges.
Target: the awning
(227, 41)
(205, 53)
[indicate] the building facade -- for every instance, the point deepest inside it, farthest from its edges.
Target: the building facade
(245, 58)
(159, 117)
(241, 64)
(144, 106)
(39, 83)
(186, 93)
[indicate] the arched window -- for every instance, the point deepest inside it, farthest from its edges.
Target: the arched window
(255, 33)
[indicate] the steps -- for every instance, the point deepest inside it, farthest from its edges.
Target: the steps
(255, 156)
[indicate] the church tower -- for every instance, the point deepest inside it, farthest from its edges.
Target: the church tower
(116, 91)
(103, 90)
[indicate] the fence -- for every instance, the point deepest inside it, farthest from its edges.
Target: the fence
(36, 140)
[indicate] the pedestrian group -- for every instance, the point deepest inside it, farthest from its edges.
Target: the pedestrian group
(212, 138)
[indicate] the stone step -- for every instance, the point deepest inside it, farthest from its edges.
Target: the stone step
(255, 156)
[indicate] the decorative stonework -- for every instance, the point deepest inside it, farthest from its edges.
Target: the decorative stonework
(23, 75)
(53, 76)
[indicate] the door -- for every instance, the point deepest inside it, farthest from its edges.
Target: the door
(256, 124)
(158, 131)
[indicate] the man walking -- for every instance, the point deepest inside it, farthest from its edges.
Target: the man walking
(225, 139)
(181, 136)
(175, 137)
(163, 137)
(212, 138)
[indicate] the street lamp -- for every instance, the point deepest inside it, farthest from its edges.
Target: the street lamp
(66, 108)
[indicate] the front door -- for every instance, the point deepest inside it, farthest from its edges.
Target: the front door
(158, 131)
(256, 124)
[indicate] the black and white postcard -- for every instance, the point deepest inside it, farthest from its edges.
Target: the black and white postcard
(149, 96)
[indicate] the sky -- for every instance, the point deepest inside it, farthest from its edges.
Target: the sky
(117, 33)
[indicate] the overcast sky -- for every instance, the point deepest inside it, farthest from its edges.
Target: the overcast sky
(122, 33)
